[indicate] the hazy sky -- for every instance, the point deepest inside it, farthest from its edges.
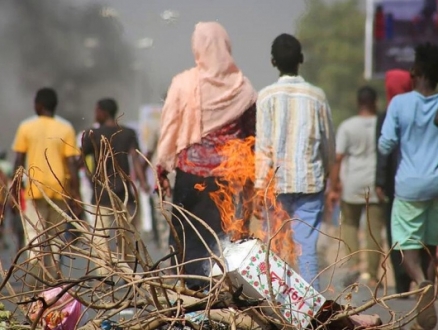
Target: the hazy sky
(252, 26)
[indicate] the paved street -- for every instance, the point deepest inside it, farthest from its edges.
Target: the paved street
(331, 282)
(330, 251)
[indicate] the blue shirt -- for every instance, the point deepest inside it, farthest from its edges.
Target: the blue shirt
(409, 123)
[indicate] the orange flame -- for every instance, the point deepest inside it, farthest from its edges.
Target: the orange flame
(235, 200)
(200, 186)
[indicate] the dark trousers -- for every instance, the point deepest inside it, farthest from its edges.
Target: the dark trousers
(202, 206)
(14, 220)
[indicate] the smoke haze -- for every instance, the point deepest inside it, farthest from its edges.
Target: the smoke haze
(75, 49)
(126, 49)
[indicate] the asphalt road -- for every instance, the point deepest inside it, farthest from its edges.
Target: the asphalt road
(331, 283)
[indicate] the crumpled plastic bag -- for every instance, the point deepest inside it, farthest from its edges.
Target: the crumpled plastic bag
(63, 315)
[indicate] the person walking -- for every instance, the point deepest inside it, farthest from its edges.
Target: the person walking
(409, 124)
(114, 162)
(6, 214)
(294, 135)
(206, 107)
(396, 82)
(151, 135)
(356, 158)
(45, 146)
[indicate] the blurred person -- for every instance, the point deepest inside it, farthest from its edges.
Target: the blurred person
(160, 227)
(396, 82)
(330, 228)
(5, 165)
(426, 21)
(295, 134)
(379, 23)
(14, 220)
(45, 146)
(85, 170)
(5, 176)
(4, 188)
(206, 106)
(428, 13)
(124, 145)
(356, 157)
(151, 148)
(85, 191)
(414, 219)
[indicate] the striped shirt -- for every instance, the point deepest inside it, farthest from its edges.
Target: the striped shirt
(294, 136)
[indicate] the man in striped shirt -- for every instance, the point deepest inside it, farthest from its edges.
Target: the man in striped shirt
(294, 136)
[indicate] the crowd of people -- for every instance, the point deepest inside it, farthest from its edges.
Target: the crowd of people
(382, 165)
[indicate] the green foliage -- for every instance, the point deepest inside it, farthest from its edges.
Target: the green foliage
(332, 36)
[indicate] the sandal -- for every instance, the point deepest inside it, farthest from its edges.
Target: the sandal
(366, 321)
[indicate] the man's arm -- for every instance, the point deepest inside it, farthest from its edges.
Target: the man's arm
(335, 181)
(20, 146)
(87, 147)
(263, 143)
(139, 171)
(71, 155)
(382, 160)
(390, 129)
(88, 154)
(73, 165)
(20, 161)
(328, 145)
(335, 186)
(151, 148)
(73, 169)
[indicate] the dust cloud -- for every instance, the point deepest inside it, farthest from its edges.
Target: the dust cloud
(78, 50)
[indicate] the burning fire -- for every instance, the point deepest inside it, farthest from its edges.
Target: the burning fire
(236, 199)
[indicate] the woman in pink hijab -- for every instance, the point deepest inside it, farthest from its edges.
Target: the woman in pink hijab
(206, 106)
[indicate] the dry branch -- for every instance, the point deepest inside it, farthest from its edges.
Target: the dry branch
(155, 293)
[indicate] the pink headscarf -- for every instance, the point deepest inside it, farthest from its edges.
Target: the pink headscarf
(204, 98)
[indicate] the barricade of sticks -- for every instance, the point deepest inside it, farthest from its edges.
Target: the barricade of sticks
(151, 289)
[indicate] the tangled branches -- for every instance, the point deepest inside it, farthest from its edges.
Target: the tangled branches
(110, 278)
